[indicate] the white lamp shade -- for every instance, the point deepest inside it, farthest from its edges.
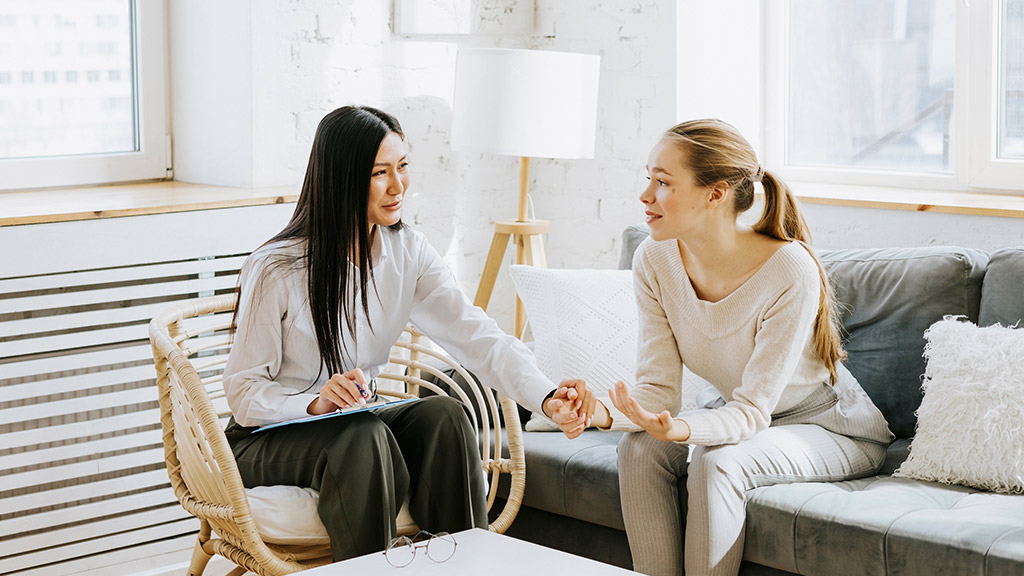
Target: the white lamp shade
(525, 103)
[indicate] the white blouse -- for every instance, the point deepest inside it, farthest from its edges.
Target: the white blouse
(274, 370)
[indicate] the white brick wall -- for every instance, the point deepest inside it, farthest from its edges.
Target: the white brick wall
(252, 78)
(310, 56)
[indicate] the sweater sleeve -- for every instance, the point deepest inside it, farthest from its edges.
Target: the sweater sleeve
(659, 372)
(254, 397)
(783, 333)
(444, 313)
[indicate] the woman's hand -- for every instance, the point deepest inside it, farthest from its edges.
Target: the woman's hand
(341, 391)
(662, 426)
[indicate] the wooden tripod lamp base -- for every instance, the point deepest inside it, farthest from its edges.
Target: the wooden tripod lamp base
(529, 241)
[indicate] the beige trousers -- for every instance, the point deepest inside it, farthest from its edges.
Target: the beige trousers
(835, 434)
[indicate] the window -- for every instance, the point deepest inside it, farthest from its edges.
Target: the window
(110, 129)
(897, 92)
(1011, 80)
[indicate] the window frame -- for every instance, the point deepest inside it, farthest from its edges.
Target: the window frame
(152, 160)
(974, 148)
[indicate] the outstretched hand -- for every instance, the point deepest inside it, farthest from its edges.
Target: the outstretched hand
(662, 426)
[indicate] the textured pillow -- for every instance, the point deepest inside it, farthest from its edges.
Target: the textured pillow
(584, 324)
(970, 426)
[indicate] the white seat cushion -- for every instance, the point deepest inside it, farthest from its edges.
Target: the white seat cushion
(287, 515)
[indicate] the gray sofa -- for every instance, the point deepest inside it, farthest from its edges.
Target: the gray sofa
(876, 525)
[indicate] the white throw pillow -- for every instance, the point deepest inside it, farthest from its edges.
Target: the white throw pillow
(969, 427)
(287, 514)
(584, 325)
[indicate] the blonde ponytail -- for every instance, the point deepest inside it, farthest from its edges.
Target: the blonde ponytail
(782, 219)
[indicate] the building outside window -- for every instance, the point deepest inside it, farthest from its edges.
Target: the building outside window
(1011, 81)
(61, 133)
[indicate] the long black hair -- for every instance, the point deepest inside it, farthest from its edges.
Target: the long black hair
(331, 220)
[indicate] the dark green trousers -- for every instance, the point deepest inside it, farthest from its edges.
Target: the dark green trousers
(365, 465)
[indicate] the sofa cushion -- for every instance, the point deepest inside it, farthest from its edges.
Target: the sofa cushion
(1002, 296)
(884, 525)
(889, 297)
(576, 478)
(632, 237)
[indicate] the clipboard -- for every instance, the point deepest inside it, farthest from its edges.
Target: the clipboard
(379, 404)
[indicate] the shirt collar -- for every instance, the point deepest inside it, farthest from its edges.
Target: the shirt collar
(378, 249)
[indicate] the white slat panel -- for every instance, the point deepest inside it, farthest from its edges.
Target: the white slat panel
(82, 512)
(92, 530)
(26, 438)
(78, 382)
(69, 451)
(125, 274)
(76, 405)
(119, 315)
(96, 526)
(55, 433)
(93, 244)
(104, 295)
(28, 346)
(151, 479)
(100, 337)
(75, 361)
(80, 470)
(104, 544)
(112, 561)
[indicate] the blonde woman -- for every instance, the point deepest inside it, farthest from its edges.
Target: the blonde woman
(749, 309)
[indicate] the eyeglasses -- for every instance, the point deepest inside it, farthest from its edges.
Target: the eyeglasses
(439, 547)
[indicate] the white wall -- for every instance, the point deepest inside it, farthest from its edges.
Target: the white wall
(286, 64)
(836, 227)
(211, 91)
(252, 79)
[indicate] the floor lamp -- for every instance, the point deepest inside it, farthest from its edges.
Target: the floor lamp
(530, 104)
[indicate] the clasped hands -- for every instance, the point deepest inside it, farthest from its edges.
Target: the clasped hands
(574, 408)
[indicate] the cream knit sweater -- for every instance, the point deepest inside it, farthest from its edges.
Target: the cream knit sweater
(755, 345)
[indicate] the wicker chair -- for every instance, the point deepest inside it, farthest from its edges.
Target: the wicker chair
(190, 346)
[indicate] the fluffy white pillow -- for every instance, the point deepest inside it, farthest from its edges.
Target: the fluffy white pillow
(970, 426)
(584, 325)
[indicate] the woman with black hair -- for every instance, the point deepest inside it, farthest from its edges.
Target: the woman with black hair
(320, 306)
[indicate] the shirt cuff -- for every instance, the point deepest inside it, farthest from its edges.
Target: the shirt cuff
(294, 406)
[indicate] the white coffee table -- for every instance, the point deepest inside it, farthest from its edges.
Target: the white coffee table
(478, 552)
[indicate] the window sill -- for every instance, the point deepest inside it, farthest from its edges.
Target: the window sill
(981, 204)
(70, 204)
